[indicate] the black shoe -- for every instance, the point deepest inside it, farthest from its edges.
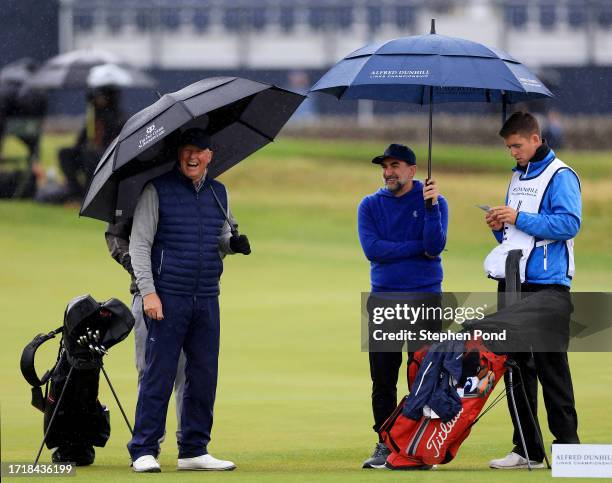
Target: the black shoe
(378, 458)
(80, 455)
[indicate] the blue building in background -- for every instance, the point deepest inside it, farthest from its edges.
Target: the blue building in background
(28, 28)
(291, 43)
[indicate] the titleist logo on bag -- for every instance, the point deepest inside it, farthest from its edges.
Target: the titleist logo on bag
(438, 437)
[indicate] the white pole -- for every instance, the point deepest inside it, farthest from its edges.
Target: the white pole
(365, 112)
(65, 26)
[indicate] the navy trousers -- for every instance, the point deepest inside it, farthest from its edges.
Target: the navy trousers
(191, 324)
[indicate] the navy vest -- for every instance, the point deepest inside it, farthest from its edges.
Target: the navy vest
(185, 257)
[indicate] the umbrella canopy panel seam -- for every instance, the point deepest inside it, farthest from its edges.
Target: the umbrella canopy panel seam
(431, 42)
(142, 118)
(417, 54)
(254, 129)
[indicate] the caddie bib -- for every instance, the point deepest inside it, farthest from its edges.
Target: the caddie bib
(525, 195)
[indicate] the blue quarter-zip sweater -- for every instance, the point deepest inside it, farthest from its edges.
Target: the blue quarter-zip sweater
(395, 233)
(559, 219)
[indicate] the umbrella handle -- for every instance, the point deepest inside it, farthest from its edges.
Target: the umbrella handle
(428, 203)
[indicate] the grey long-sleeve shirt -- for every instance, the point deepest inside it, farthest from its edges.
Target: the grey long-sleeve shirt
(144, 228)
(118, 242)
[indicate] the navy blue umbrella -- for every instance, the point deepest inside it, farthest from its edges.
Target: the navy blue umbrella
(427, 69)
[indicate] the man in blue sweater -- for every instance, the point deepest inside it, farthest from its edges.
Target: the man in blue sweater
(402, 236)
(541, 217)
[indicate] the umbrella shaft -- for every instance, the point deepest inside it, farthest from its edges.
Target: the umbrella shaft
(229, 222)
(430, 131)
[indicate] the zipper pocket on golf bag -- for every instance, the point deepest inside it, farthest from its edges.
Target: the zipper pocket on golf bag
(412, 447)
(412, 369)
(391, 421)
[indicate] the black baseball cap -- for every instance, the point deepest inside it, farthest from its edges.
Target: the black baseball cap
(397, 151)
(197, 137)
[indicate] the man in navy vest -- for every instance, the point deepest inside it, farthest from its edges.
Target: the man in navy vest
(179, 235)
(541, 217)
(402, 236)
(117, 237)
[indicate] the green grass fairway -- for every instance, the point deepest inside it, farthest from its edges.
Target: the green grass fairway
(293, 400)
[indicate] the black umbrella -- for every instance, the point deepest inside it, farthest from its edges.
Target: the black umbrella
(71, 70)
(241, 116)
(18, 72)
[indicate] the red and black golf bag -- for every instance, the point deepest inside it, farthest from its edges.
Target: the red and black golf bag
(425, 440)
(418, 443)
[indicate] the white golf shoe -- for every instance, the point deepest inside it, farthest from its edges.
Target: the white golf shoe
(146, 464)
(513, 461)
(205, 462)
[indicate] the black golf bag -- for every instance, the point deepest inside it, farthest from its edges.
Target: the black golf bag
(74, 419)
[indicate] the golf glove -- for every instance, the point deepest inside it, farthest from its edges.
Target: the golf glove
(240, 244)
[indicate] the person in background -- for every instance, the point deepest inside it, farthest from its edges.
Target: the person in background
(104, 120)
(553, 131)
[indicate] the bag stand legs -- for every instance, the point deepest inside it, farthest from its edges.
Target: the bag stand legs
(117, 399)
(510, 364)
(510, 389)
(59, 401)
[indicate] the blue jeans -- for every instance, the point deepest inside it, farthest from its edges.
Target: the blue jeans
(191, 324)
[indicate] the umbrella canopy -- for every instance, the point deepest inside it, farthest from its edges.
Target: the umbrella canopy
(72, 69)
(458, 70)
(18, 72)
(240, 115)
(426, 69)
(118, 76)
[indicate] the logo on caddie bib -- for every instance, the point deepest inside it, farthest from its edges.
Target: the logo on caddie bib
(525, 191)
